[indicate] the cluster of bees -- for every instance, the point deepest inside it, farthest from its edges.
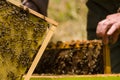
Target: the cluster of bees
(21, 34)
(74, 57)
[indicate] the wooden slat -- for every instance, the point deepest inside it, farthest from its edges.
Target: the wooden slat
(107, 62)
(62, 76)
(77, 77)
(18, 4)
(40, 52)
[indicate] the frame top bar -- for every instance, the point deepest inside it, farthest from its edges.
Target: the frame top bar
(18, 4)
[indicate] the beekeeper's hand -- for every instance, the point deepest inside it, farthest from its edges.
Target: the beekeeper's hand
(109, 28)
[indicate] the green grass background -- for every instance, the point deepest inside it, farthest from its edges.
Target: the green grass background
(80, 78)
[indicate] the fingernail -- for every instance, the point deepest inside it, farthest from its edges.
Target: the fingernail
(109, 33)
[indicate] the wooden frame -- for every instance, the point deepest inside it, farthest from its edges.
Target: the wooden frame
(45, 41)
(107, 62)
(106, 51)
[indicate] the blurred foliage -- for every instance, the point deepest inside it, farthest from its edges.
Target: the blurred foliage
(63, 10)
(71, 15)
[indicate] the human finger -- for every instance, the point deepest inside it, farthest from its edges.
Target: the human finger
(114, 28)
(103, 27)
(112, 16)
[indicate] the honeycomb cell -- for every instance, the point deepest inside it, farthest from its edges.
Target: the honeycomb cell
(21, 34)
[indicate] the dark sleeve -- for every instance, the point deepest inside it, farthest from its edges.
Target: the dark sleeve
(97, 11)
(40, 6)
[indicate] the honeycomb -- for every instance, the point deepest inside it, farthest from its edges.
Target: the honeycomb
(72, 58)
(21, 35)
